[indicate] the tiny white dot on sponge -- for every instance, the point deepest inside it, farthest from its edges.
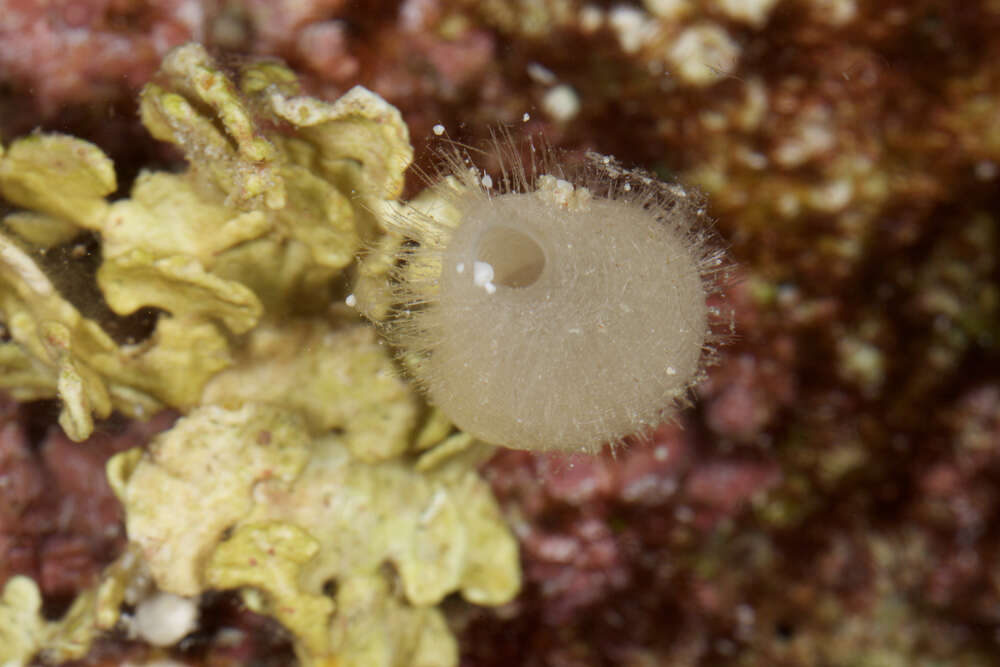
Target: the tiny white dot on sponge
(482, 276)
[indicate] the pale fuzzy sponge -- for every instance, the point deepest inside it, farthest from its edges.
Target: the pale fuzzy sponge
(554, 306)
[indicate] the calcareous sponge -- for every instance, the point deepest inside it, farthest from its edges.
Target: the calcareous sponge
(554, 306)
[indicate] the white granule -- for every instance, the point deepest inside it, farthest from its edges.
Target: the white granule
(561, 193)
(487, 181)
(164, 618)
(561, 102)
(814, 133)
(985, 170)
(633, 27)
(670, 10)
(438, 129)
(835, 12)
(591, 18)
(833, 196)
(351, 300)
(702, 54)
(482, 276)
(751, 12)
(526, 117)
(540, 74)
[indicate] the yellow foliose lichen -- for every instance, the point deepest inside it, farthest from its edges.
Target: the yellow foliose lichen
(84, 174)
(305, 472)
(179, 285)
(337, 379)
(22, 628)
(243, 498)
(374, 628)
(296, 200)
(41, 229)
(198, 479)
(258, 226)
(421, 521)
(56, 351)
(235, 156)
(24, 632)
(269, 556)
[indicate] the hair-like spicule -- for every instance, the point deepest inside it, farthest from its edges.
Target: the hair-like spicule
(554, 304)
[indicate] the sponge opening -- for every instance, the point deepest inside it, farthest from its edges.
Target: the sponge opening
(517, 259)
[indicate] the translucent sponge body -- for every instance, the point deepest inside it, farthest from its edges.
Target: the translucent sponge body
(560, 309)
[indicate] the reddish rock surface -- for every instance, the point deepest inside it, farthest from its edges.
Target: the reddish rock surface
(60, 523)
(831, 498)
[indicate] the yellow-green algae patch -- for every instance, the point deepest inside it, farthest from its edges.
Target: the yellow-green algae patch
(269, 212)
(22, 629)
(255, 503)
(55, 351)
(335, 378)
(24, 633)
(85, 176)
(267, 557)
(196, 481)
(304, 471)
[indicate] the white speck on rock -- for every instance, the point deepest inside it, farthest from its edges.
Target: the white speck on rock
(702, 54)
(164, 619)
(540, 74)
(814, 133)
(561, 102)
(833, 196)
(438, 129)
(633, 27)
(591, 18)
(836, 13)
(986, 170)
(668, 9)
(751, 12)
